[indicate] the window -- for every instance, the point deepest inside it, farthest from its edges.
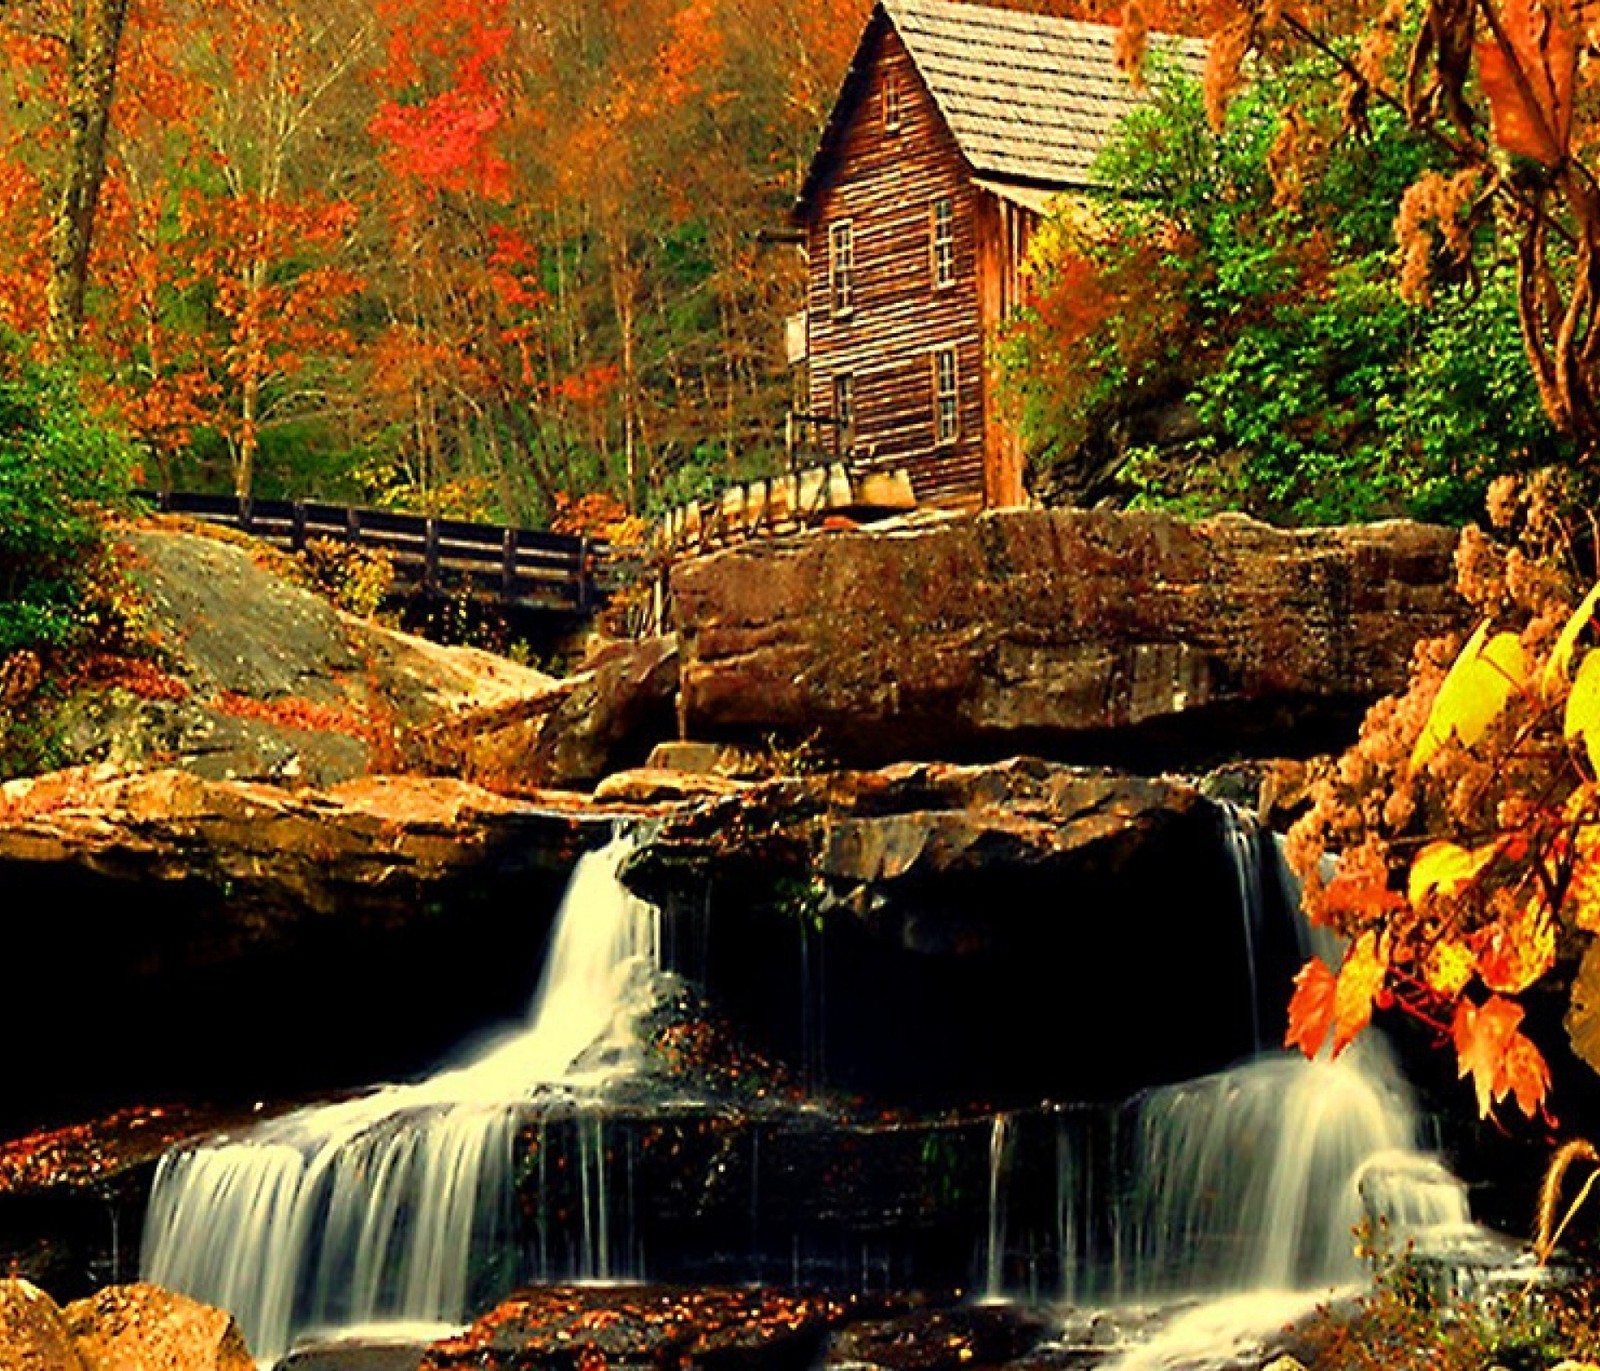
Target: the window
(946, 415)
(842, 267)
(891, 103)
(844, 410)
(943, 228)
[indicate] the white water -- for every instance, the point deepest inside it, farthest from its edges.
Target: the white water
(377, 1209)
(1250, 1188)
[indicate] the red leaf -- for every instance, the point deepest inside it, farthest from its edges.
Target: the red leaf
(1311, 1008)
(1491, 1048)
(1527, 73)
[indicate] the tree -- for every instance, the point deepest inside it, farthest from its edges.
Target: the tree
(1249, 285)
(83, 39)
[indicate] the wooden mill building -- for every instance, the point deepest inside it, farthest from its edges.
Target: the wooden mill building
(956, 125)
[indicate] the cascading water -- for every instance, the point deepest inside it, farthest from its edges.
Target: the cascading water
(381, 1208)
(1248, 1180)
(404, 1207)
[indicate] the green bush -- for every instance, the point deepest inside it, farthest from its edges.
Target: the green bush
(1269, 314)
(59, 467)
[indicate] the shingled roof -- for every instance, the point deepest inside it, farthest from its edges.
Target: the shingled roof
(1030, 98)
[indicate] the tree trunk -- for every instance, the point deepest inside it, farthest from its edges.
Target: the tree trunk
(93, 44)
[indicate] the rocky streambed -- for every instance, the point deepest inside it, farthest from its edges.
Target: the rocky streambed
(925, 995)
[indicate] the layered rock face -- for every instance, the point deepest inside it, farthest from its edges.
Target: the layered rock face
(213, 937)
(1085, 635)
(939, 935)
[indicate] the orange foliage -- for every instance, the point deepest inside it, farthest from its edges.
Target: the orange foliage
(1465, 821)
(292, 712)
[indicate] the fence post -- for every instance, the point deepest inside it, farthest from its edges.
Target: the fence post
(352, 523)
(586, 587)
(297, 528)
(247, 507)
(508, 565)
(430, 554)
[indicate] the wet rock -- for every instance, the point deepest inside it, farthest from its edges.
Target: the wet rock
(357, 1354)
(942, 1339)
(135, 1327)
(1138, 639)
(372, 925)
(33, 1334)
(915, 932)
(565, 1327)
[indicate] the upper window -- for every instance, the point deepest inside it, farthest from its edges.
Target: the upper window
(946, 411)
(842, 267)
(943, 230)
(891, 103)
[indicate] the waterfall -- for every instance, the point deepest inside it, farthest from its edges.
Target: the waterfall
(1250, 1179)
(999, 1140)
(382, 1208)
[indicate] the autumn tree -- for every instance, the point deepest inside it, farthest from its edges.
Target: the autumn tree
(82, 43)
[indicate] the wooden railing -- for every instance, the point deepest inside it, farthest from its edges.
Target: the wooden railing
(525, 567)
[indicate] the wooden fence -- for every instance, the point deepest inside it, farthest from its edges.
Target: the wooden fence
(524, 567)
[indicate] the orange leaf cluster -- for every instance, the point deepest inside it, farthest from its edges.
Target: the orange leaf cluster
(291, 712)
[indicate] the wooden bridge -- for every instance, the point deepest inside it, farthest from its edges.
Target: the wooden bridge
(524, 568)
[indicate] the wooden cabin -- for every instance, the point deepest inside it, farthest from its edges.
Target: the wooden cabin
(956, 125)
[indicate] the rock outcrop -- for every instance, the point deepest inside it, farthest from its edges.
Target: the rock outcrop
(604, 719)
(568, 1327)
(1084, 635)
(248, 937)
(915, 933)
(261, 679)
(33, 1335)
(122, 1328)
(136, 1326)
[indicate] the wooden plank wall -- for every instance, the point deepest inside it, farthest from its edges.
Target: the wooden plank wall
(885, 183)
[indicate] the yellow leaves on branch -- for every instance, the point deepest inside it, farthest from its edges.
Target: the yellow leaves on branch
(1478, 686)
(1446, 868)
(1582, 720)
(1556, 668)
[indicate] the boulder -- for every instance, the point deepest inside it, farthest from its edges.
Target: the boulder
(371, 925)
(262, 679)
(941, 1339)
(569, 1327)
(145, 1328)
(605, 718)
(33, 1334)
(909, 932)
(1139, 638)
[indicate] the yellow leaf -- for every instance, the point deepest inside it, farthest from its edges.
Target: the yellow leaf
(1446, 868)
(1360, 979)
(1581, 904)
(1555, 669)
(1517, 949)
(1473, 692)
(1583, 708)
(1449, 967)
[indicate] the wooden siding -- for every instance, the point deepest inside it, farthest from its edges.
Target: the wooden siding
(1004, 230)
(885, 183)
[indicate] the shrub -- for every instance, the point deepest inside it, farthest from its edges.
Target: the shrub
(59, 467)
